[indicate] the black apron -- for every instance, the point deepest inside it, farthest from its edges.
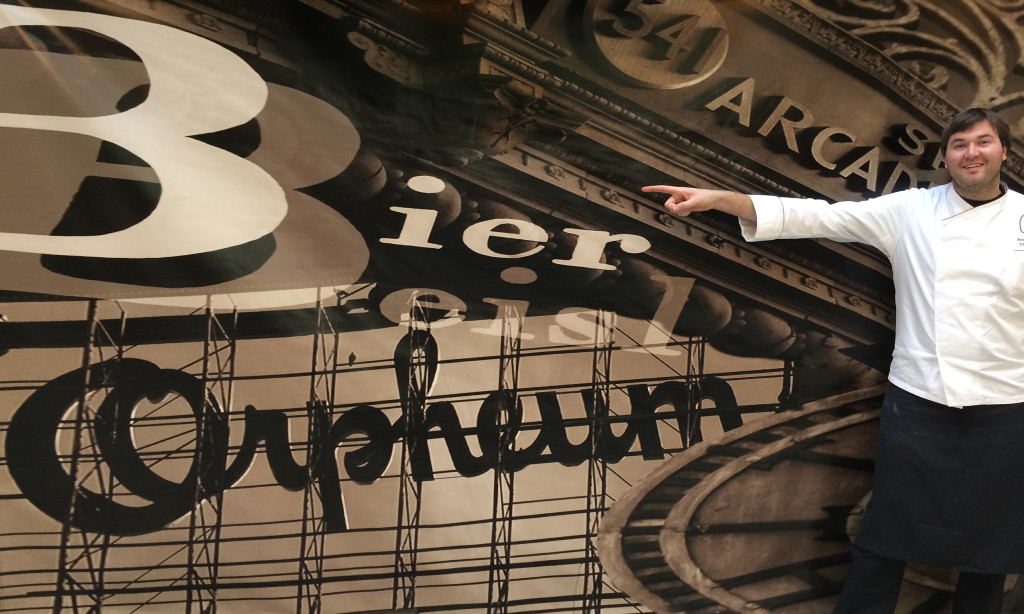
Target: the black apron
(949, 485)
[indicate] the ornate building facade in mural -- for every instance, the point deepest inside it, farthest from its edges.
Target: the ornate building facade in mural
(356, 305)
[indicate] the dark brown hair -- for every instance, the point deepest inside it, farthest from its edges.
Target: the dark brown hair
(970, 117)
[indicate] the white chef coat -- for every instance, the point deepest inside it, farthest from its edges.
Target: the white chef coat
(959, 278)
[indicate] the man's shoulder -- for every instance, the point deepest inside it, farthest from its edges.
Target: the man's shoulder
(936, 191)
(938, 195)
(932, 191)
(912, 196)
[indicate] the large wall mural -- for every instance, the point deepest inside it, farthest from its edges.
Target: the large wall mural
(357, 306)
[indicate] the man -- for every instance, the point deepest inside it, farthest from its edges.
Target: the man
(949, 480)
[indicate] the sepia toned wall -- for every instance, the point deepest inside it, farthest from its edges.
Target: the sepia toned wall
(357, 306)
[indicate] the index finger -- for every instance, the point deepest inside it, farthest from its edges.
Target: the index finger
(664, 189)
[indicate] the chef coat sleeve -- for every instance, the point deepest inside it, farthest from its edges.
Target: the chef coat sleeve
(875, 221)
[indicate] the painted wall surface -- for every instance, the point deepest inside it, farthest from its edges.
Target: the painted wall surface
(353, 306)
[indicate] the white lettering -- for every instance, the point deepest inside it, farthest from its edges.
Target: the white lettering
(210, 199)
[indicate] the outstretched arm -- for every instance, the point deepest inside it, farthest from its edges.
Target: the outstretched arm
(684, 201)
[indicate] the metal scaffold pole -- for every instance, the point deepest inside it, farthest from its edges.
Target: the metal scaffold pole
(504, 477)
(418, 350)
(320, 413)
(597, 468)
(83, 554)
(694, 375)
(205, 521)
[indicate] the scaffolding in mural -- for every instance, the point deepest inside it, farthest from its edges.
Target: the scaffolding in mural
(205, 520)
(503, 503)
(82, 582)
(320, 415)
(82, 558)
(597, 468)
(89, 574)
(418, 352)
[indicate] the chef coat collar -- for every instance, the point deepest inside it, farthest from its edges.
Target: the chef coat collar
(978, 203)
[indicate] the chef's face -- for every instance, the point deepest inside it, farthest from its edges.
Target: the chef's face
(974, 158)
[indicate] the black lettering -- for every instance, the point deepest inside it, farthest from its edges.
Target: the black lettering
(36, 468)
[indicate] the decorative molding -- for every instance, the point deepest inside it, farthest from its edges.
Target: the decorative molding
(509, 11)
(384, 59)
(811, 20)
(271, 14)
(642, 121)
(499, 29)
